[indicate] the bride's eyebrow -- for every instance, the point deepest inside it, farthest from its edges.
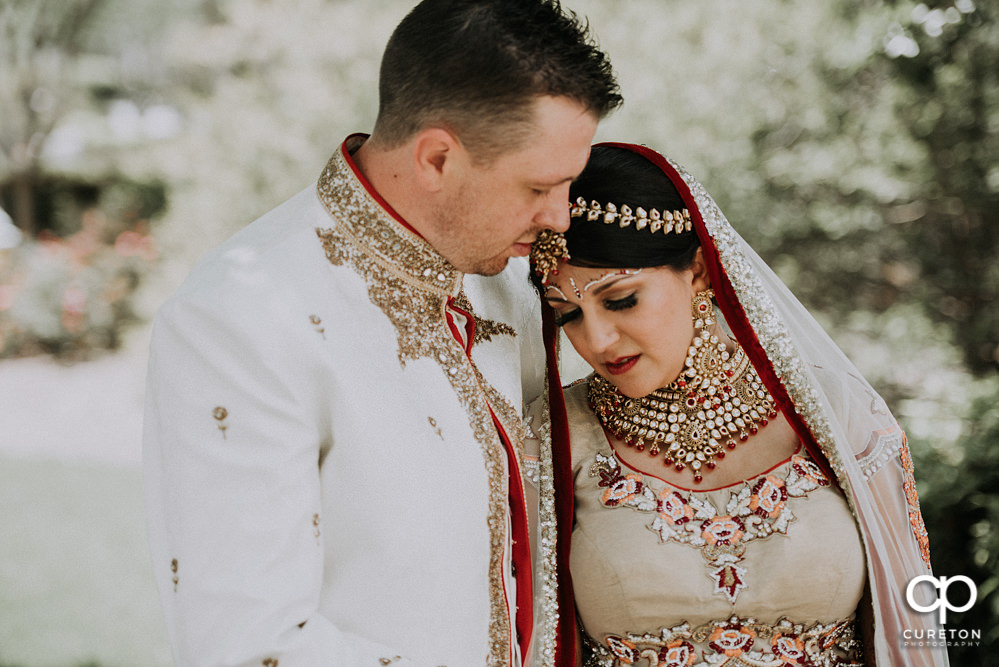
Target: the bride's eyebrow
(601, 281)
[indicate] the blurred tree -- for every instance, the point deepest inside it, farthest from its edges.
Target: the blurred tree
(65, 62)
(39, 51)
(268, 89)
(944, 58)
(961, 506)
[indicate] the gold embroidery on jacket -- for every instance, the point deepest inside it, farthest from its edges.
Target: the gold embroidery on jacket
(410, 283)
(484, 329)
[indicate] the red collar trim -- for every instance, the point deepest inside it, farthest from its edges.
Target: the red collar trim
(354, 141)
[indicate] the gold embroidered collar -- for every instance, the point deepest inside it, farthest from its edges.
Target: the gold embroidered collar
(365, 220)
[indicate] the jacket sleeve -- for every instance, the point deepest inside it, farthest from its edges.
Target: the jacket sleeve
(233, 436)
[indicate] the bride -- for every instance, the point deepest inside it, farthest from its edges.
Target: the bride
(730, 490)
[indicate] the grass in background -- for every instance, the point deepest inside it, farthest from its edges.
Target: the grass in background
(76, 584)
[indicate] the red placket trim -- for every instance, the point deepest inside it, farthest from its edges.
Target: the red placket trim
(469, 336)
(521, 548)
(734, 313)
(521, 555)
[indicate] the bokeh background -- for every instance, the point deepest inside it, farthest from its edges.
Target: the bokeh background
(854, 143)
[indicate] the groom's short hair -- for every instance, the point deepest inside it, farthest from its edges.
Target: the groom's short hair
(475, 67)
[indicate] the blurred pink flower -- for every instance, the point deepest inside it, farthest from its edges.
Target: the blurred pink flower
(134, 244)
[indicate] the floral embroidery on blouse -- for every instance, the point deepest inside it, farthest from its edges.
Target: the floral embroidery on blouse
(755, 510)
(175, 579)
(735, 642)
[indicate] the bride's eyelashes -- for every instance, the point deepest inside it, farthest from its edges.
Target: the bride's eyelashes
(561, 319)
(621, 304)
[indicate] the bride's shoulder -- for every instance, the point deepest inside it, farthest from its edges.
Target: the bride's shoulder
(586, 436)
(576, 397)
(577, 390)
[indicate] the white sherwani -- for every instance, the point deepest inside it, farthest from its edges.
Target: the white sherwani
(333, 445)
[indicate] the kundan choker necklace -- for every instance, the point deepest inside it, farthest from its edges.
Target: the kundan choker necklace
(717, 398)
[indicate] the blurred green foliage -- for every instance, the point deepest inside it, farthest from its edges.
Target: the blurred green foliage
(852, 142)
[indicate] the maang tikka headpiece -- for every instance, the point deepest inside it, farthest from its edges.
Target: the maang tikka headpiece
(550, 247)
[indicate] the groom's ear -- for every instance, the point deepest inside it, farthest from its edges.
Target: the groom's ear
(699, 272)
(437, 155)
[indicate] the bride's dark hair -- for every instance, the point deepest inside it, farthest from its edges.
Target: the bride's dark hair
(619, 176)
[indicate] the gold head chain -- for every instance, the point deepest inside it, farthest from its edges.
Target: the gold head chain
(550, 247)
(666, 221)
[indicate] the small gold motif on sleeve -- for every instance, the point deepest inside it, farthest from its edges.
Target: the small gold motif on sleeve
(220, 414)
(315, 527)
(389, 661)
(175, 579)
(270, 662)
(318, 324)
(435, 427)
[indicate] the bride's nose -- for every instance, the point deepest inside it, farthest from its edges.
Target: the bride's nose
(601, 334)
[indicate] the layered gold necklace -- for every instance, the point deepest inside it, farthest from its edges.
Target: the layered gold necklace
(717, 398)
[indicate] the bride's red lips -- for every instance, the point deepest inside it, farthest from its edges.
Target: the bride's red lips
(621, 365)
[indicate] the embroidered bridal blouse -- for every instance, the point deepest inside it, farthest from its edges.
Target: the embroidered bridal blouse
(768, 571)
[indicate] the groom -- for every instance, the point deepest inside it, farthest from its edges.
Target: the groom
(332, 440)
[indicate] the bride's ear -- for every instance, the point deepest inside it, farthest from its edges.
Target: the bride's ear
(699, 272)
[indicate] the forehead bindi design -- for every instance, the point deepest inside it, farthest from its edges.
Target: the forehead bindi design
(608, 275)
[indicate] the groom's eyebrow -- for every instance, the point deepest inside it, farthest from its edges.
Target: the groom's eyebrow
(553, 183)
